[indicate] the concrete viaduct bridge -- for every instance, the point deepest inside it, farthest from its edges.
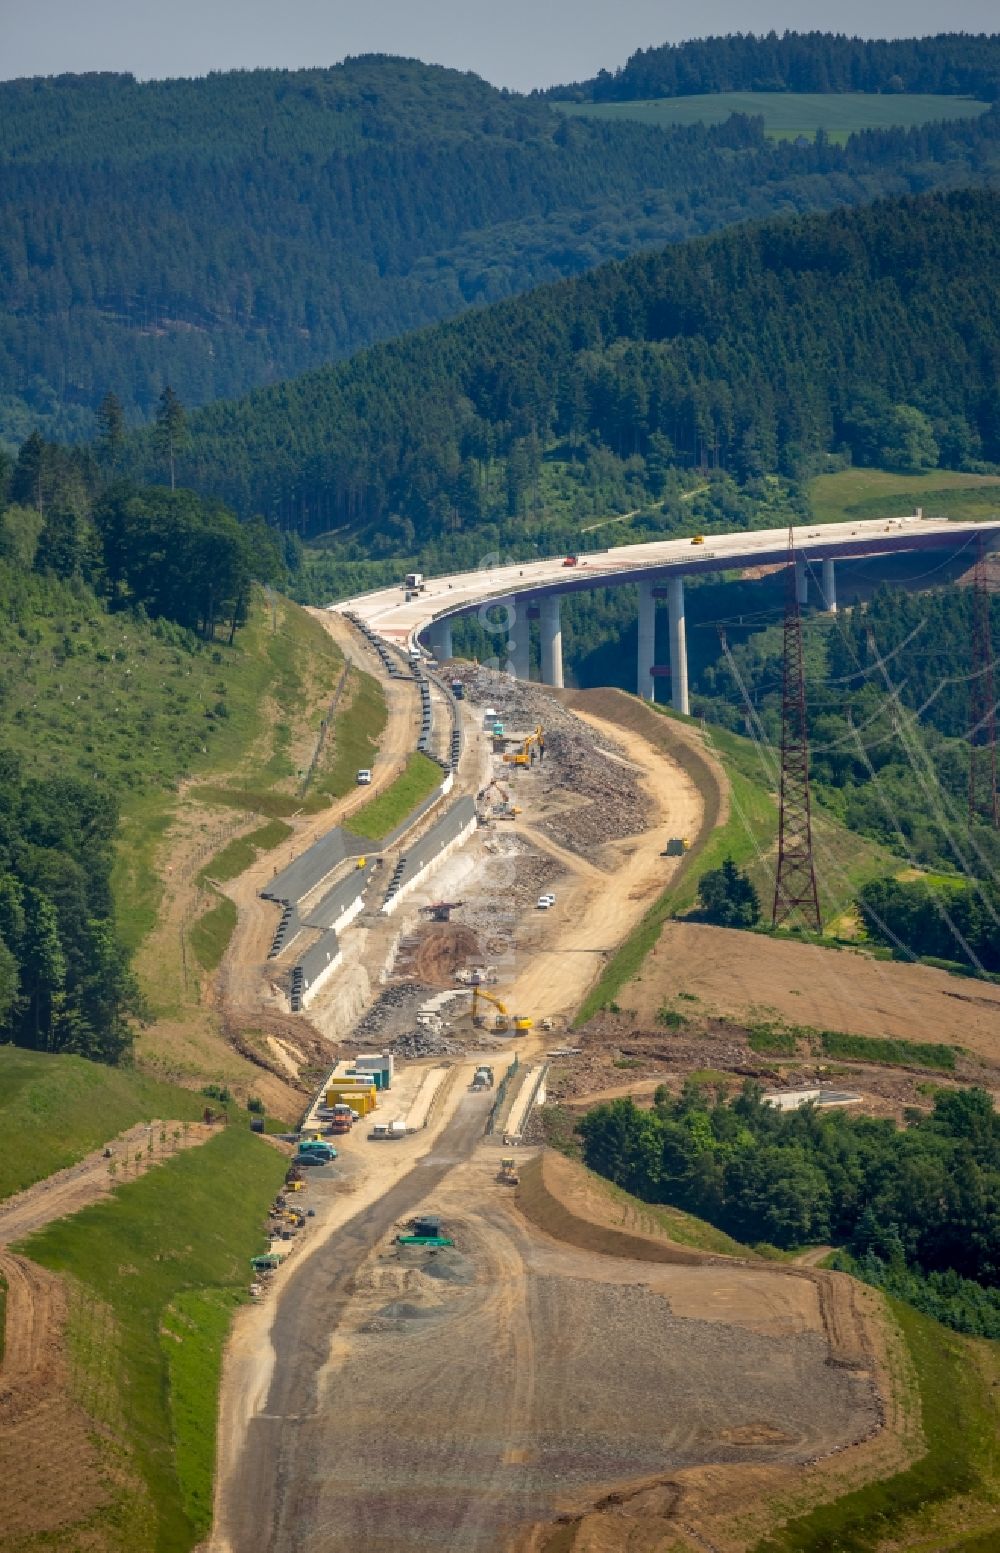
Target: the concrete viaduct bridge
(520, 594)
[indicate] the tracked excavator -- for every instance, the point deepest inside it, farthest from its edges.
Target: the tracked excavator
(504, 1020)
(533, 745)
(498, 807)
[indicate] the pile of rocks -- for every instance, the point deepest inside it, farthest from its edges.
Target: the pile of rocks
(423, 1042)
(393, 1012)
(608, 802)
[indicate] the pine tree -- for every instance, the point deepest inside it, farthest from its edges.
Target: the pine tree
(171, 425)
(26, 480)
(110, 430)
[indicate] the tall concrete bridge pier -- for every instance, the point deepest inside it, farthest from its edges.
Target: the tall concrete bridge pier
(523, 596)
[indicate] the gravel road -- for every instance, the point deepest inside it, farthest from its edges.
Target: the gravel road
(272, 1503)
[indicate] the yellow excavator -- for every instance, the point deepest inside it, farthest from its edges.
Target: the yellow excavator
(501, 808)
(526, 754)
(519, 1023)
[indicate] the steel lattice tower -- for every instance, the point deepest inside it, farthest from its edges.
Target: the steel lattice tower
(982, 706)
(795, 880)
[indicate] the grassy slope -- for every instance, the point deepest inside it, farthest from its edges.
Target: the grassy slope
(876, 493)
(682, 1227)
(167, 1258)
(416, 782)
(275, 674)
(748, 837)
(54, 1110)
(787, 114)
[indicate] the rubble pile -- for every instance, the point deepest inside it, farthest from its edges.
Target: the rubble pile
(422, 1042)
(598, 791)
(609, 803)
(511, 879)
(394, 1012)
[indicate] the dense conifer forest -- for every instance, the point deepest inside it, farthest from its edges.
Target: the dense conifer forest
(950, 63)
(220, 234)
(758, 351)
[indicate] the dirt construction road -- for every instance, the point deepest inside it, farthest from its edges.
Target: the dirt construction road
(451, 1399)
(270, 1502)
(79, 1185)
(563, 951)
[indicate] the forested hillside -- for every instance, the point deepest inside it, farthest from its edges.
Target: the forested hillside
(758, 350)
(889, 708)
(950, 63)
(121, 670)
(223, 233)
(914, 1202)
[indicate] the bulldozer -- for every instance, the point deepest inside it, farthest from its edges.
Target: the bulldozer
(508, 1175)
(519, 1023)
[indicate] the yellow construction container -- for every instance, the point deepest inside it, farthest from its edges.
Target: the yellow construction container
(360, 1100)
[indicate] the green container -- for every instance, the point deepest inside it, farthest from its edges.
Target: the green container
(424, 1240)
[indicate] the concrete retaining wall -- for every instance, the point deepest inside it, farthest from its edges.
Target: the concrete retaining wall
(316, 965)
(306, 873)
(450, 831)
(343, 902)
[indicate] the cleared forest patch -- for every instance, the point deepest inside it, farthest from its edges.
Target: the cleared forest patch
(748, 974)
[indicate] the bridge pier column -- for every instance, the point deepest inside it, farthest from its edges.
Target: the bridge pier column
(551, 636)
(829, 587)
(519, 644)
(801, 580)
(647, 642)
(678, 646)
(440, 639)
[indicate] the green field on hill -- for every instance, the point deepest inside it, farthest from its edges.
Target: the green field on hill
(417, 781)
(56, 1109)
(788, 114)
(878, 493)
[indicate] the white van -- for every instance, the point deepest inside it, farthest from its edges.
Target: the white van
(364, 777)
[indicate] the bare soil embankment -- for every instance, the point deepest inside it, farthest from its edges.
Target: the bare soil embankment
(727, 1500)
(737, 973)
(48, 1457)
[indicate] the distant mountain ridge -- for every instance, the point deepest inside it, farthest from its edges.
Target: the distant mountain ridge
(226, 233)
(755, 351)
(949, 63)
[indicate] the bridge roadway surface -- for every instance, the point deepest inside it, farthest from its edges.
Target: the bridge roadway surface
(274, 1502)
(387, 612)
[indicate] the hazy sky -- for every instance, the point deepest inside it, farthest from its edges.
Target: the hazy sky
(515, 43)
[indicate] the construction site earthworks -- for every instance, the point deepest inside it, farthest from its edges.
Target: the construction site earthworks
(556, 1366)
(459, 1337)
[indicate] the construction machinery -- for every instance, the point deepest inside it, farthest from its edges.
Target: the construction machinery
(440, 911)
(508, 1175)
(532, 745)
(519, 1023)
(498, 808)
(676, 847)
